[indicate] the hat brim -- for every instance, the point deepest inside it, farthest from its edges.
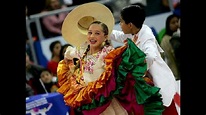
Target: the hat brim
(76, 23)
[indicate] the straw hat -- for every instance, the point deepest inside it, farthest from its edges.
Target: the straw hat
(76, 23)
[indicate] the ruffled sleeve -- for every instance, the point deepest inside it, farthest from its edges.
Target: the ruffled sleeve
(64, 71)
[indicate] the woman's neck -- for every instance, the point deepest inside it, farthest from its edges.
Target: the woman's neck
(94, 50)
(56, 58)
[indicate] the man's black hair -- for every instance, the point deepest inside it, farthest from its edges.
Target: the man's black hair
(134, 14)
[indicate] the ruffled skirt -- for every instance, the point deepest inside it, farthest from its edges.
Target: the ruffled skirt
(121, 88)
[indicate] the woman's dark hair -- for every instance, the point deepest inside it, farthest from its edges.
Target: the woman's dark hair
(134, 14)
(52, 45)
(167, 24)
(62, 50)
(43, 70)
(77, 63)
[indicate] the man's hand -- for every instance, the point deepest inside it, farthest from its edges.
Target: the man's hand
(135, 38)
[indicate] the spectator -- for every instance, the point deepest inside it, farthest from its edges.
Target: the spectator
(51, 25)
(29, 90)
(175, 43)
(62, 52)
(28, 50)
(162, 32)
(52, 64)
(177, 9)
(165, 5)
(34, 7)
(168, 55)
(32, 73)
(47, 82)
(63, 49)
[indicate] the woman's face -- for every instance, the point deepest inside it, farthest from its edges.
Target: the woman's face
(96, 36)
(174, 24)
(57, 49)
(55, 4)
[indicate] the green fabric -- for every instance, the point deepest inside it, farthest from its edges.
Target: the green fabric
(160, 35)
(148, 95)
(133, 61)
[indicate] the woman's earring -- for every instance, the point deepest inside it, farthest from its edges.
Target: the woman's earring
(103, 43)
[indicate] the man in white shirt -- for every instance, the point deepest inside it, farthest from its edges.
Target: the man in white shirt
(132, 24)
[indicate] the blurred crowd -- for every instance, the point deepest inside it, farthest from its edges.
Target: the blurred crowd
(40, 79)
(51, 24)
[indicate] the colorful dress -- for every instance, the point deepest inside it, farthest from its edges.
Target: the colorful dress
(114, 84)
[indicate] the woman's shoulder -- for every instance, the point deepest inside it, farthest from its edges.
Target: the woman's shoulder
(51, 63)
(166, 37)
